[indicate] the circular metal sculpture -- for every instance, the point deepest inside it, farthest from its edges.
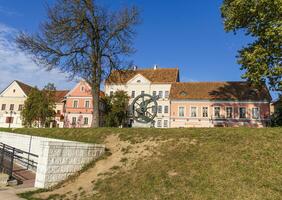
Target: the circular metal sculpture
(144, 108)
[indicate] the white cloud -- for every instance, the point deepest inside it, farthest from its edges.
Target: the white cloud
(16, 65)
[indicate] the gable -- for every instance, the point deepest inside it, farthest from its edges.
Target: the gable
(139, 79)
(82, 89)
(13, 90)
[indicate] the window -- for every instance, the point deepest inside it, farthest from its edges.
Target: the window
(20, 107)
(132, 94)
(181, 111)
(75, 103)
(9, 120)
(142, 92)
(193, 111)
(165, 123)
(217, 112)
(166, 109)
(205, 112)
(73, 121)
(111, 93)
(160, 94)
(85, 122)
(229, 112)
(14, 90)
(58, 112)
(160, 109)
(255, 113)
(87, 104)
(166, 94)
(3, 107)
(82, 89)
(159, 123)
(138, 81)
(12, 106)
(153, 109)
(154, 93)
(242, 112)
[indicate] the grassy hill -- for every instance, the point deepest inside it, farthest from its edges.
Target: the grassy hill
(214, 163)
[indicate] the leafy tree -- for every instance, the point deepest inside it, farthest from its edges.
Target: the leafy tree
(276, 118)
(39, 107)
(85, 40)
(31, 107)
(116, 108)
(261, 19)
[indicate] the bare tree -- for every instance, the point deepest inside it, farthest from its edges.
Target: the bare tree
(85, 40)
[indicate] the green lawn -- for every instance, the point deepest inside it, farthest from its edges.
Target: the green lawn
(214, 163)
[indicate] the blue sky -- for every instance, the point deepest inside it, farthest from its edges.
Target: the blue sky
(181, 33)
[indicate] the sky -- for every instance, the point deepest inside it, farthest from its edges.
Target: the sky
(181, 33)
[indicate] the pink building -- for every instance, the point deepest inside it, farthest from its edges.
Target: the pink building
(78, 106)
(211, 104)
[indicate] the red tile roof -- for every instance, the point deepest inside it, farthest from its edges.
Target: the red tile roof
(59, 95)
(241, 91)
(26, 88)
(160, 75)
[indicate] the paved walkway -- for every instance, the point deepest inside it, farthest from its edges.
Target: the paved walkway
(11, 193)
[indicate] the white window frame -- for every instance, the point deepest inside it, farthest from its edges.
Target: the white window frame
(160, 111)
(161, 95)
(191, 111)
(159, 123)
(76, 103)
(86, 120)
(214, 112)
(232, 113)
(179, 111)
(165, 109)
(73, 121)
(203, 111)
(166, 94)
(240, 113)
(86, 104)
(258, 113)
(165, 123)
(154, 93)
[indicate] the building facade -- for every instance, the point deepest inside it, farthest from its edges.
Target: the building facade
(78, 110)
(213, 104)
(12, 101)
(155, 81)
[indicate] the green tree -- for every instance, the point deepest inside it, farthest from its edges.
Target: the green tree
(39, 107)
(262, 20)
(83, 39)
(116, 109)
(31, 107)
(276, 118)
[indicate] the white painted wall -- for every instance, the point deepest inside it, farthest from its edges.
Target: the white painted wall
(57, 159)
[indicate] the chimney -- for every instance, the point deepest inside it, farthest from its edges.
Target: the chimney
(156, 67)
(135, 67)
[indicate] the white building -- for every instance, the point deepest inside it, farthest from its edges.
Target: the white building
(11, 104)
(154, 81)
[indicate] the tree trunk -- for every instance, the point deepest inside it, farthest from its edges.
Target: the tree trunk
(95, 101)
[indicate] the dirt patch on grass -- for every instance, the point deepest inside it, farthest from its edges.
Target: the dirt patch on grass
(124, 156)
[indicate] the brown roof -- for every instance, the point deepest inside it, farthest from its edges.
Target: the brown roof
(219, 91)
(59, 95)
(26, 88)
(160, 75)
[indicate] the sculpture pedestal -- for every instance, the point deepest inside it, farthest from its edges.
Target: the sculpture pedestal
(142, 125)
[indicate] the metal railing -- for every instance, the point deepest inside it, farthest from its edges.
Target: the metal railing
(10, 155)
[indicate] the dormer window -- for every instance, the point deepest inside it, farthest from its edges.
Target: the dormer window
(183, 93)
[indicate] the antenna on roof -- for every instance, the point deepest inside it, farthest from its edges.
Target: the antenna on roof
(156, 67)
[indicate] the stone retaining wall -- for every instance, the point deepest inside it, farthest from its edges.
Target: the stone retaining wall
(57, 159)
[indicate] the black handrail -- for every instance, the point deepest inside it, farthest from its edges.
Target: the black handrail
(10, 154)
